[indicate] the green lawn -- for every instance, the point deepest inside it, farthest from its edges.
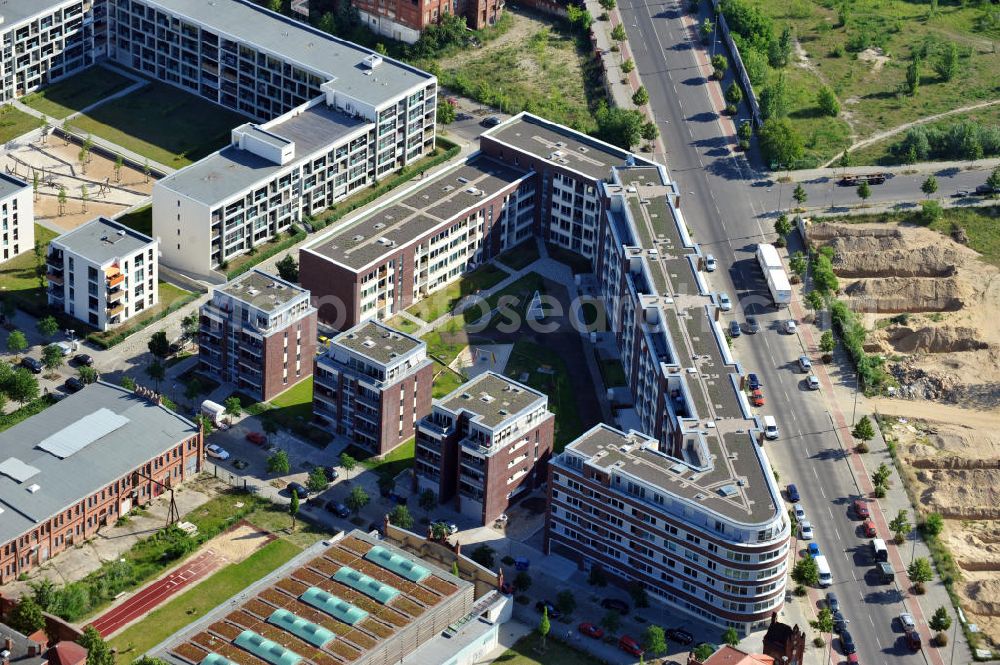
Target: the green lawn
(14, 123)
(163, 123)
(612, 372)
(190, 606)
(526, 651)
(444, 300)
(170, 295)
(392, 464)
(547, 372)
(516, 296)
(77, 92)
(402, 324)
(292, 410)
(19, 277)
(445, 381)
(521, 256)
(140, 220)
(578, 264)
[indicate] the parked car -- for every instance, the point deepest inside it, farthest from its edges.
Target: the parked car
(451, 526)
(619, 606)
(74, 385)
(725, 304)
(679, 635)
(847, 643)
(805, 365)
(805, 530)
(869, 528)
(340, 509)
(753, 381)
(800, 512)
(793, 493)
(331, 473)
(906, 620)
(812, 382)
(839, 622)
(541, 605)
(629, 645)
(400, 500)
(757, 397)
(217, 451)
(790, 327)
(861, 509)
(960, 194)
(257, 438)
(378, 528)
(913, 639)
(65, 347)
(734, 329)
(491, 121)
(590, 630)
(300, 489)
(753, 327)
(84, 359)
(832, 602)
(852, 659)
(813, 550)
(710, 263)
(33, 365)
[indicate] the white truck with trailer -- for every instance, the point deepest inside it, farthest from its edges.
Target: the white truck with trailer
(774, 274)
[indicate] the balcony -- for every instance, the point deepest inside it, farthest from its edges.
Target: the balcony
(115, 278)
(115, 295)
(55, 260)
(114, 309)
(55, 278)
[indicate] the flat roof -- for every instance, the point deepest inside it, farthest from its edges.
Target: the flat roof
(232, 171)
(307, 603)
(142, 431)
(101, 240)
(383, 230)
(377, 342)
(262, 290)
(294, 41)
(15, 11)
(493, 397)
(8, 184)
(562, 146)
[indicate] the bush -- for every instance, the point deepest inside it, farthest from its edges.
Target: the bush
(852, 333)
(819, 642)
(507, 560)
(941, 639)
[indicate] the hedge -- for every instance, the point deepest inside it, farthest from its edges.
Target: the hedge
(852, 333)
(263, 255)
(94, 338)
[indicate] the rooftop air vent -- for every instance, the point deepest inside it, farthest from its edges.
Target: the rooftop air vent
(560, 144)
(358, 238)
(486, 397)
(379, 225)
(34, 487)
(466, 396)
(368, 344)
(727, 490)
(463, 180)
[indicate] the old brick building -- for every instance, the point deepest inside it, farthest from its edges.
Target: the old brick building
(483, 444)
(404, 20)
(81, 465)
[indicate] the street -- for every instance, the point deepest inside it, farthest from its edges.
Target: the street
(728, 207)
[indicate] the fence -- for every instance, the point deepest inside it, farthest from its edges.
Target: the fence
(245, 483)
(737, 62)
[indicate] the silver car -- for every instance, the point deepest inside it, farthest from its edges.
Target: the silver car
(812, 382)
(710, 263)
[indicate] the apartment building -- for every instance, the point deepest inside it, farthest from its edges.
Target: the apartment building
(419, 241)
(483, 444)
(258, 332)
(45, 40)
(131, 448)
(103, 273)
(372, 385)
(17, 210)
(404, 20)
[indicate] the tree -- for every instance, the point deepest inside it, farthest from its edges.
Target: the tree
(128, 383)
(774, 99)
(22, 387)
(83, 158)
(745, 131)
(929, 186)
(934, 524)
(119, 163)
(98, 652)
(864, 191)
(270, 427)
(16, 342)
(780, 51)
(864, 430)
(900, 526)
(27, 617)
(565, 601)
(543, 623)
(522, 581)
(824, 621)
(146, 170)
(288, 269)
(815, 300)
(780, 143)
(845, 159)
(278, 463)
(52, 357)
(805, 571)
(946, 64)
(703, 651)
(44, 592)
(628, 66)
(158, 344)
(348, 462)
(719, 66)
(618, 33)
(579, 18)
(919, 572)
(446, 113)
(994, 180)
(621, 127)
(913, 76)
(427, 500)
(317, 479)
(797, 262)
(157, 372)
(61, 197)
(274, 5)
(782, 226)
(612, 621)
(827, 102)
(827, 342)
(654, 640)
(706, 29)
(35, 181)
(454, 568)
(731, 637)
(940, 620)
(233, 407)
(48, 326)
(608, 5)
(87, 374)
(401, 517)
(84, 196)
(931, 211)
(734, 93)
(358, 499)
(327, 23)
(641, 96)
(484, 555)
(293, 507)
(650, 131)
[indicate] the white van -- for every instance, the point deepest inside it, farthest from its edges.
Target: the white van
(825, 577)
(770, 427)
(879, 551)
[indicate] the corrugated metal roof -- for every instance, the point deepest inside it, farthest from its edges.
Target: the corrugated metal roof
(398, 564)
(80, 434)
(335, 607)
(307, 630)
(267, 649)
(369, 586)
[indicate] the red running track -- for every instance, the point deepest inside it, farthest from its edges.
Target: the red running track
(147, 598)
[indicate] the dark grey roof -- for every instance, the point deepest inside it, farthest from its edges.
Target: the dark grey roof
(377, 341)
(231, 171)
(293, 41)
(576, 151)
(15, 11)
(149, 432)
(20, 643)
(262, 290)
(8, 184)
(493, 397)
(433, 204)
(101, 240)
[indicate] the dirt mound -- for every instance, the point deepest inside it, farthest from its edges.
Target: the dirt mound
(955, 463)
(901, 294)
(929, 339)
(898, 262)
(985, 596)
(962, 494)
(968, 379)
(827, 232)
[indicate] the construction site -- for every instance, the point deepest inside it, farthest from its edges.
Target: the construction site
(930, 305)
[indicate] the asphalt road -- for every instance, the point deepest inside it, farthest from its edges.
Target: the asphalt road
(727, 206)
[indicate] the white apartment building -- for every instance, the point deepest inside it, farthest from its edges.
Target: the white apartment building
(17, 212)
(43, 41)
(103, 273)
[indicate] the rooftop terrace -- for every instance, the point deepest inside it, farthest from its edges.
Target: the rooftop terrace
(493, 397)
(376, 341)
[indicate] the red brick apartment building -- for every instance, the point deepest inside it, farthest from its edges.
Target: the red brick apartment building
(81, 465)
(404, 20)
(483, 444)
(258, 332)
(372, 385)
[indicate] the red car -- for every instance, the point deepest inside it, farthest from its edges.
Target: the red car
(590, 630)
(629, 646)
(257, 438)
(757, 397)
(852, 659)
(861, 509)
(869, 529)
